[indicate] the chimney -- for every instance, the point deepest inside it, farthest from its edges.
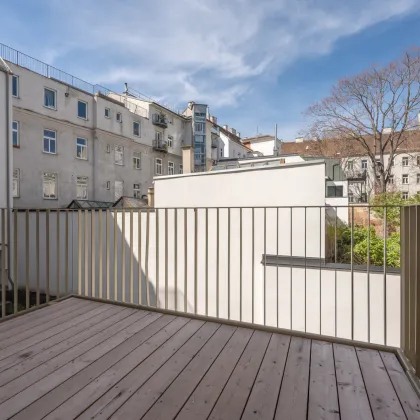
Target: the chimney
(233, 131)
(299, 140)
(151, 197)
(187, 159)
(226, 127)
(238, 134)
(214, 119)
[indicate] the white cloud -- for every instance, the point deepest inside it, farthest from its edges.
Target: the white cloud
(206, 50)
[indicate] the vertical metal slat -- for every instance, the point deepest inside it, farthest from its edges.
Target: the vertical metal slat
(131, 256)
(79, 251)
(27, 294)
(385, 276)
(176, 257)
(66, 255)
(47, 254)
(115, 256)
(195, 259)
(100, 255)
(240, 264)
(146, 261)
(93, 251)
(15, 271)
(166, 259)
(140, 272)
(123, 297)
(107, 246)
(228, 267)
(3, 263)
(352, 273)
(185, 262)
(157, 257)
(207, 261)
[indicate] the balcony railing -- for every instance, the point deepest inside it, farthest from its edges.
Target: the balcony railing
(160, 146)
(159, 120)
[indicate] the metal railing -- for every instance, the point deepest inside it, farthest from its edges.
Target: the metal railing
(300, 268)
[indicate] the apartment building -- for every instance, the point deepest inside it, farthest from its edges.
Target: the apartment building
(74, 140)
(265, 144)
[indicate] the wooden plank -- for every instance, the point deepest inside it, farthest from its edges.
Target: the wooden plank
(46, 311)
(383, 399)
(30, 323)
(104, 358)
(62, 323)
(121, 392)
(293, 398)
(172, 400)
(202, 400)
(262, 402)
(19, 393)
(104, 311)
(148, 393)
(406, 394)
(233, 398)
(80, 401)
(29, 362)
(352, 396)
(323, 399)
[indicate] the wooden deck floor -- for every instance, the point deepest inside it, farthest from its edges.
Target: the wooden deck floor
(87, 360)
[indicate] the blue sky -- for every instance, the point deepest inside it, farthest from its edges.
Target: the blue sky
(256, 63)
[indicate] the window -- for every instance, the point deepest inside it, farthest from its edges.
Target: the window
(108, 185)
(119, 155)
(16, 182)
(391, 179)
(350, 165)
(15, 133)
(158, 136)
(171, 168)
(136, 128)
(119, 189)
(108, 148)
(107, 113)
(364, 164)
(351, 197)
(199, 127)
(180, 169)
(119, 117)
(418, 178)
(405, 195)
(82, 187)
(81, 148)
(50, 98)
(15, 86)
(405, 179)
(158, 166)
(418, 160)
(221, 152)
(82, 109)
(170, 141)
(405, 161)
(50, 141)
(49, 185)
(334, 191)
(136, 160)
(136, 191)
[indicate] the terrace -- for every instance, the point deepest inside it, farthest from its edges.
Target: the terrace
(203, 313)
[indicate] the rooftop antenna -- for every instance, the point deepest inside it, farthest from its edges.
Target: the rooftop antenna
(126, 88)
(275, 148)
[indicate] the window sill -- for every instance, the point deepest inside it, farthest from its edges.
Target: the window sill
(119, 164)
(16, 97)
(16, 147)
(48, 198)
(50, 108)
(49, 153)
(82, 118)
(79, 158)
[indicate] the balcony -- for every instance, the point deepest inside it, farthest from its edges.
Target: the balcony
(160, 120)
(191, 313)
(160, 146)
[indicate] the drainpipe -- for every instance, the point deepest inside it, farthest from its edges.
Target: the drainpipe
(95, 136)
(8, 205)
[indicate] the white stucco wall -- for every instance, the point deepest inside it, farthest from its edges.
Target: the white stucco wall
(265, 147)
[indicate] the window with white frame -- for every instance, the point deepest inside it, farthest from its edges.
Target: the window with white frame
(50, 97)
(136, 191)
(180, 169)
(171, 168)
(351, 197)
(16, 182)
(221, 152)
(418, 178)
(391, 179)
(158, 166)
(15, 86)
(50, 185)
(136, 160)
(405, 179)
(119, 155)
(81, 148)
(107, 113)
(82, 187)
(405, 161)
(108, 148)
(364, 164)
(170, 141)
(119, 117)
(350, 165)
(158, 136)
(199, 127)
(82, 111)
(405, 195)
(15, 133)
(136, 128)
(119, 189)
(50, 141)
